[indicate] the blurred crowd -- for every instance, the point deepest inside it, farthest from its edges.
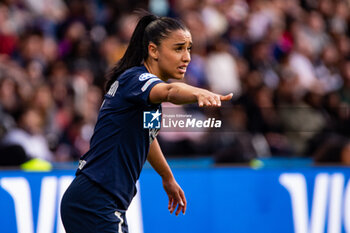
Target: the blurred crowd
(286, 61)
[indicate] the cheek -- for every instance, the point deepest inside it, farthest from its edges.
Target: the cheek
(168, 62)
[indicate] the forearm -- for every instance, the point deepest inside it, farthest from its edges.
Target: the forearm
(158, 161)
(181, 93)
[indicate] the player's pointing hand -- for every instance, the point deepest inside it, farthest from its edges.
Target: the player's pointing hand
(207, 98)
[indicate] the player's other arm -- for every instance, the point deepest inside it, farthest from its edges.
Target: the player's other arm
(181, 93)
(175, 193)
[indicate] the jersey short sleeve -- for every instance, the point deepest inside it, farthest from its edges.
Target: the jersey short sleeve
(138, 87)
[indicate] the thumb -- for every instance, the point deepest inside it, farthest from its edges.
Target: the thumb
(226, 97)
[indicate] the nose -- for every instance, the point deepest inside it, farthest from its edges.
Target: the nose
(186, 57)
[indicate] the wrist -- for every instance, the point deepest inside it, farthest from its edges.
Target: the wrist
(168, 178)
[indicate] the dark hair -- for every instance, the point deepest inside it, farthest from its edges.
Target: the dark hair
(150, 28)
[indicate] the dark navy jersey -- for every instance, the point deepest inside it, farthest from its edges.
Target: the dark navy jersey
(120, 144)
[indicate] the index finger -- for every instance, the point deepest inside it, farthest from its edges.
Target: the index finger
(226, 97)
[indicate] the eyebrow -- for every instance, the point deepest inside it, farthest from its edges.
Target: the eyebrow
(178, 44)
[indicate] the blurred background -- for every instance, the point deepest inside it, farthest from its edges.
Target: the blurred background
(287, 63)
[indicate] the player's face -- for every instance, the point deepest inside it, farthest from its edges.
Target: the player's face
(174, 54)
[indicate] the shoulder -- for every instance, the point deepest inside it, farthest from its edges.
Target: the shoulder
(137, 74)
(133, 72)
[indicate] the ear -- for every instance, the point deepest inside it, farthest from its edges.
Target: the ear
(153, 51)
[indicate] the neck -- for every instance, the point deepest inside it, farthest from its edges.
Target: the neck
(152, 68)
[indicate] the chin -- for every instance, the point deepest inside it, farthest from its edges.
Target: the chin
(176, 76)
(179, 76)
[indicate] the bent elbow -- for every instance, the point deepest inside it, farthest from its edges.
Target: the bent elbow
(172, 94)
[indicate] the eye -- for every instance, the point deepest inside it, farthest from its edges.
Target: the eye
(178, 49)
(189, 49)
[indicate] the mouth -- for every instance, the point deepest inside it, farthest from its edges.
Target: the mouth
(182, 69)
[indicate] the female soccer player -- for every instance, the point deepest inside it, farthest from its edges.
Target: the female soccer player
(104, 186)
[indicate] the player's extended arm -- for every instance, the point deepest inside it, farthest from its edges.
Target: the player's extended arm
(175, 194)
(181, 93)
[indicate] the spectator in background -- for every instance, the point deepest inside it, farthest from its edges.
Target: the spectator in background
(221, 69)
(327, 71)
(10, 155)
(301, 62)
(344, 91)
(8, 39)
(262, 60)
(299, 119)
(29, 135)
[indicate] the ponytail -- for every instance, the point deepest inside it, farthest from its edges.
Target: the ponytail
(135, 53)
(150, 28)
